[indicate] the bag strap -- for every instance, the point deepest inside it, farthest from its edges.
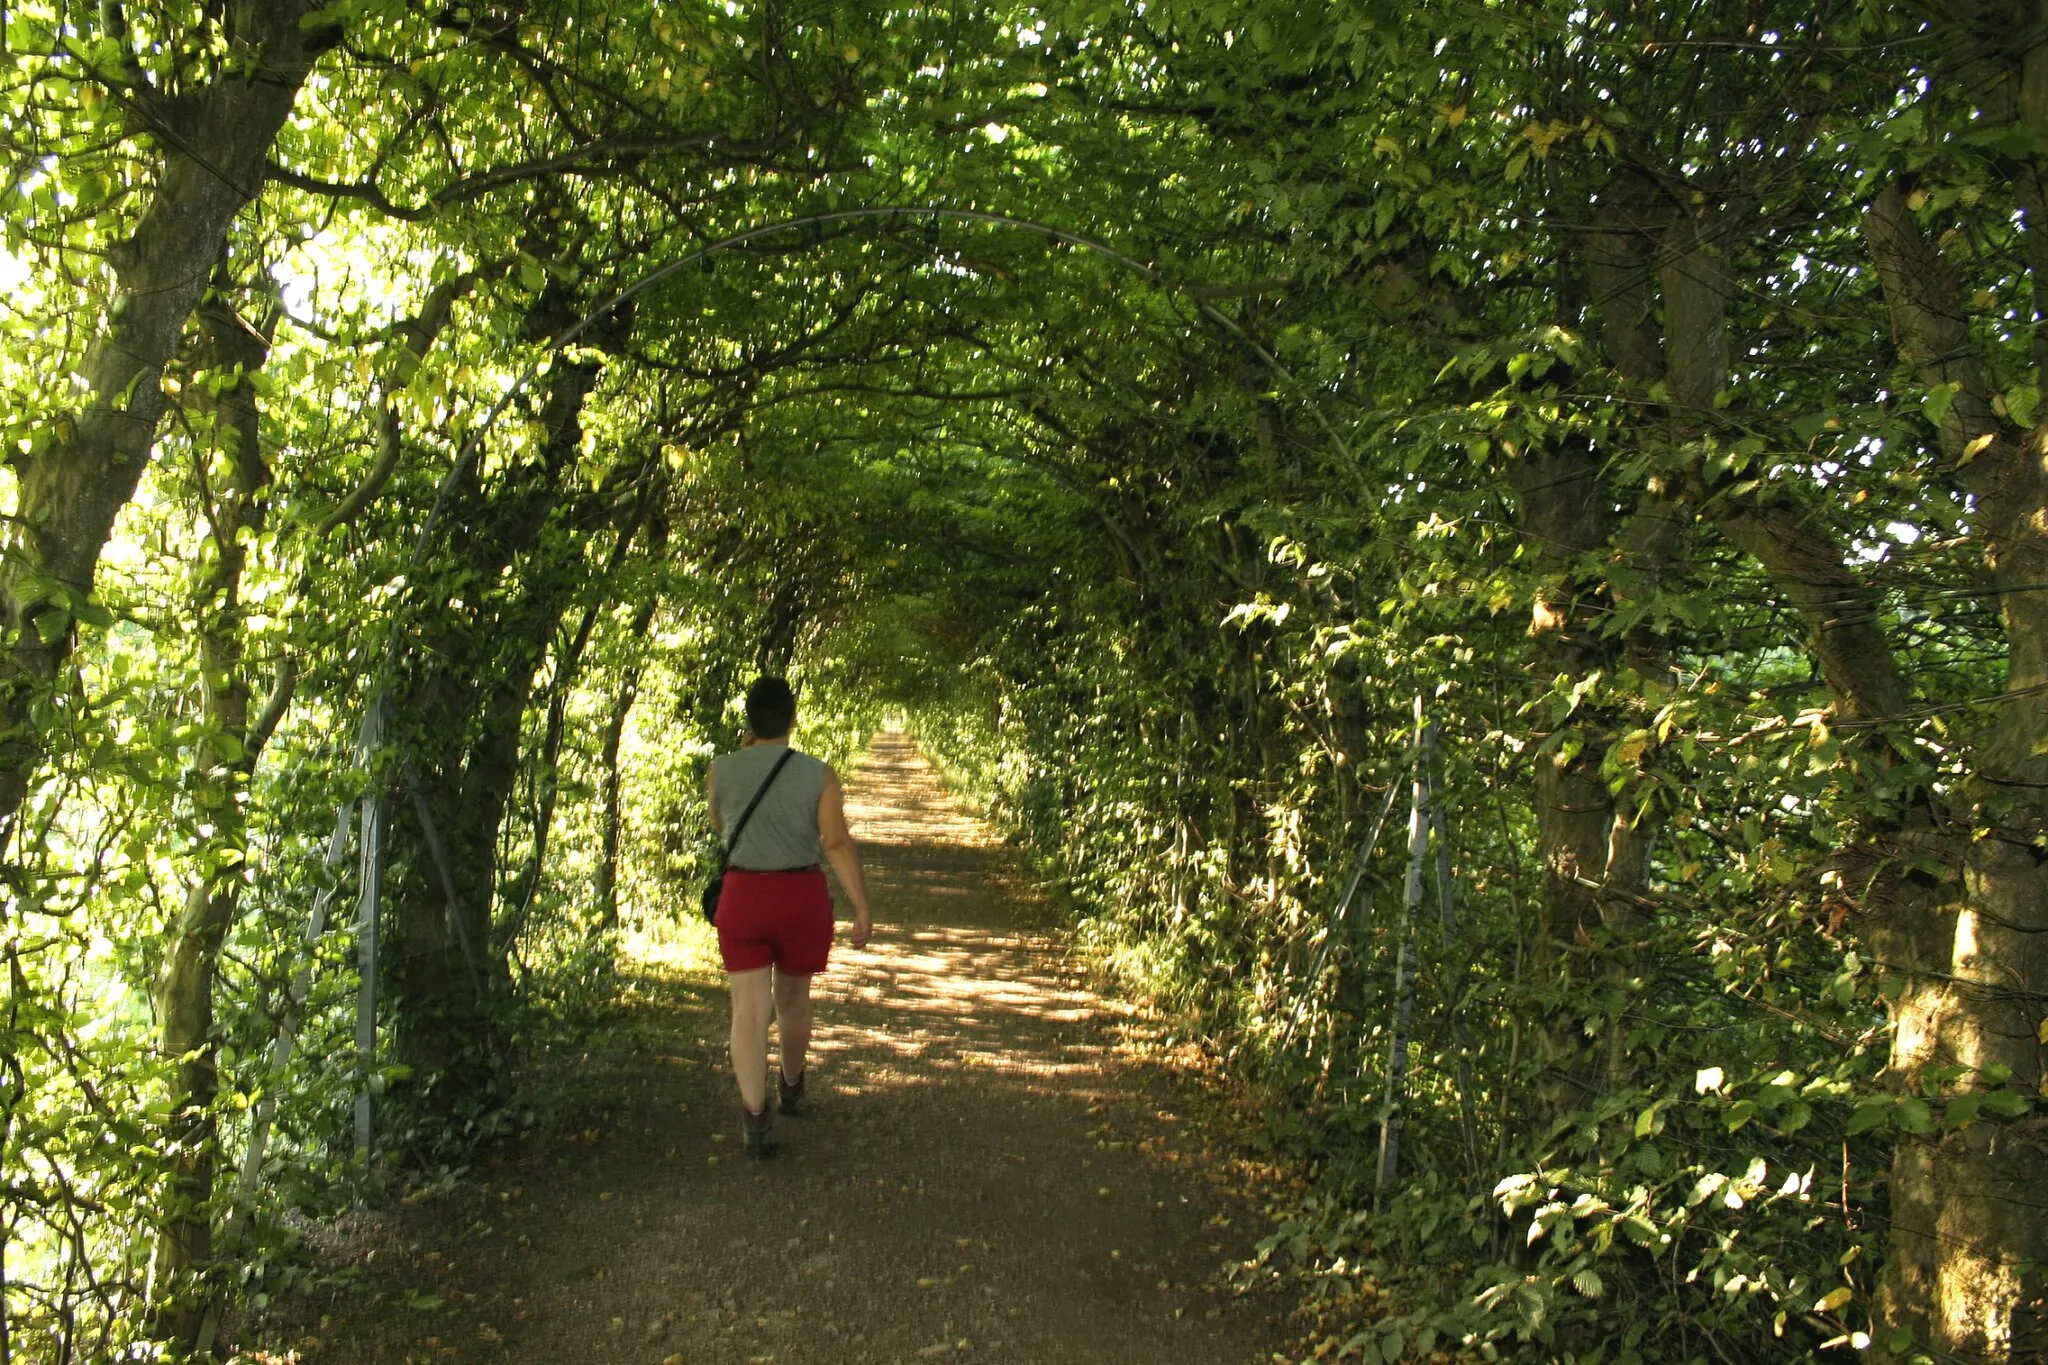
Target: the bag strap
(759, 792)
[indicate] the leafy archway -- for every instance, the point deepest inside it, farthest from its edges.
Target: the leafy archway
(1151, 406)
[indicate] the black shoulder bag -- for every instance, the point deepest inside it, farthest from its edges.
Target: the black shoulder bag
(716, 886)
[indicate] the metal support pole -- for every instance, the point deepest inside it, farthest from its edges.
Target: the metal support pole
(243, 1202)
(1454, 1001)
(1388, 1174)
(372, 886)
(1337, 917)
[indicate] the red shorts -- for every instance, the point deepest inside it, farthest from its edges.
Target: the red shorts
(778, 918)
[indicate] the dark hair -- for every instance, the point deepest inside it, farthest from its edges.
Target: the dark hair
(771, 708)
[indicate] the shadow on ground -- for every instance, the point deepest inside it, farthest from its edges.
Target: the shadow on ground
(985, 1177)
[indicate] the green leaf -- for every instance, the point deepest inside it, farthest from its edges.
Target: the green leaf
(1810, 425)
(1873, 1111)
(92, 613)
(1914, 1115)
(2021, 401)
(52, 625)
(2006, 1104)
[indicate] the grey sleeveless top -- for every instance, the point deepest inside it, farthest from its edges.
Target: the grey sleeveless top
(784, 830)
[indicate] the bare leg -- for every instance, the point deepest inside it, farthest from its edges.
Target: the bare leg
(793, 1011)
(750, 1001)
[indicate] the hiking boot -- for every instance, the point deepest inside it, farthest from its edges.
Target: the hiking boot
(759, 1134)
(792, 1093)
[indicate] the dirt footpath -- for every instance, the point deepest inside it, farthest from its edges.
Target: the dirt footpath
(985, 1176)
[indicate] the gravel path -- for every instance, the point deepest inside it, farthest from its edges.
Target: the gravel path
(985, 1177)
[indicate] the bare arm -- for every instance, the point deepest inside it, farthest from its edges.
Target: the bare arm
(844, 855)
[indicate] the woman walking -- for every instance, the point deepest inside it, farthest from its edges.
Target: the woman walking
(775, 914)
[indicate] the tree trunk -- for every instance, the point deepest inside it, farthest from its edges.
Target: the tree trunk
(1969, 1245)
(1592, 857)
(236, 490)
(561, 684)
(1963, 977)
(607, 882)
(775, 647)
(605, 887)
(464, 711)
(80, 471)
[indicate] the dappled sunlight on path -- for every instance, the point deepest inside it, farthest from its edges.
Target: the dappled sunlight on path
(895, 797)
(986, 1175)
